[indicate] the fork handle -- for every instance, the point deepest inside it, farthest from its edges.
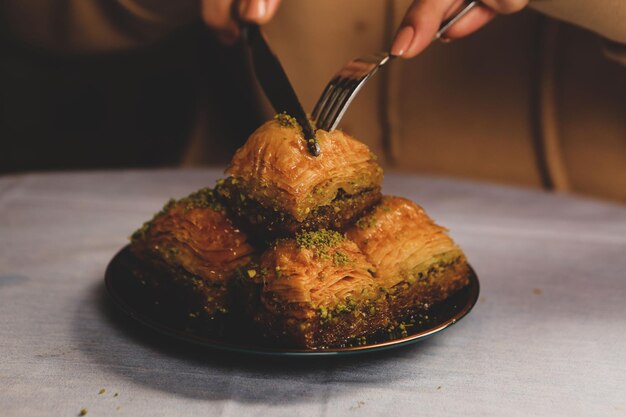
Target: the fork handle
(447, 24)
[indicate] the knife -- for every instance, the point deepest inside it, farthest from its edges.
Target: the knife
(276, 85)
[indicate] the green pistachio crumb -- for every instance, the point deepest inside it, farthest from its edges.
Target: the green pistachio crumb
(203, 198)
(366, 222)
(320, 240)
(102, 391)
(340, 259)
(286, 120)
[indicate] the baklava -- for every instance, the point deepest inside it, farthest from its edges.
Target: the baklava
(297, 251)
(314, 291)
(275, 186)
(417, 264)
(189, 253)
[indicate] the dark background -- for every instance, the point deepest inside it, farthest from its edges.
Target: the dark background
(129, 109)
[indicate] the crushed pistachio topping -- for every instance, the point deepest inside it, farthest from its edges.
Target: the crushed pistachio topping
(203, 198)
(366, 222)
(286, 120)
(320, 240)
(348, 306)
(340, 259)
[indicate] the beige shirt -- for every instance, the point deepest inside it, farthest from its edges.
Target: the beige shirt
(528, 100)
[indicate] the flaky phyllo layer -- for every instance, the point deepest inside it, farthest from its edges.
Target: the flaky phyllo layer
(315, 290)
(402, 242)
(314, 273)
(195, 233)
(275, 168)
(321, 259)
(194, 243)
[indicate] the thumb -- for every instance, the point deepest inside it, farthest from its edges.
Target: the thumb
(257, 11)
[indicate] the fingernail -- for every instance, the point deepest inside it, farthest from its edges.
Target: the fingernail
(402, 41)
(261, 9)
(254, 10)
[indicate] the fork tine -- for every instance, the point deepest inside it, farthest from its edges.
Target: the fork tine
(342, 89)
(330, 102)
(332, 123)
(355, 73)
(335, 109)
(324, 97)
(342, 79)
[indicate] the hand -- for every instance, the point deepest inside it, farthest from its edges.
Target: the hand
(423, 18)
(218, 15)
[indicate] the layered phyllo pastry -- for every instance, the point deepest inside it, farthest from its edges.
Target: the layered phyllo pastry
(189, 253)
(316, 290)
(277, 187)
(299, 250)
(416, 262)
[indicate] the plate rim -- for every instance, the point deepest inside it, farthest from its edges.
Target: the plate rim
(218, 344)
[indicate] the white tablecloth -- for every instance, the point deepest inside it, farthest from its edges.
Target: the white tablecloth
(547, 337)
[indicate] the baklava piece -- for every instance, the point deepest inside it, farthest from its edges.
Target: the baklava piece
(315, 291)
(416, 263)
(277, 187)
(189, 253)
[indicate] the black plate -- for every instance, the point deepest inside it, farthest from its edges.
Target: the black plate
(119, 274)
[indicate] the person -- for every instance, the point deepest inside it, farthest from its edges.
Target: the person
(535, 98)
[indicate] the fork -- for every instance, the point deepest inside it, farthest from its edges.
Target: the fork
(345, 84)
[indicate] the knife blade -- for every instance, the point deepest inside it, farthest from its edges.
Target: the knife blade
(276, 85)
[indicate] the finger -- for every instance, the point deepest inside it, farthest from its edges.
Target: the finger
(506, 6)
(217, 15)
(258, 11)
(453, 9)
(471, 22)
(419, 26)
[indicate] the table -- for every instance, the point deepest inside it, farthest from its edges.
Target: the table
(547, 337)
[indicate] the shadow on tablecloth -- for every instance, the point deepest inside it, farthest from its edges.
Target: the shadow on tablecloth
(117, 344)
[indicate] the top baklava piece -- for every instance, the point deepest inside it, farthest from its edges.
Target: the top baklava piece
(276, 186)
